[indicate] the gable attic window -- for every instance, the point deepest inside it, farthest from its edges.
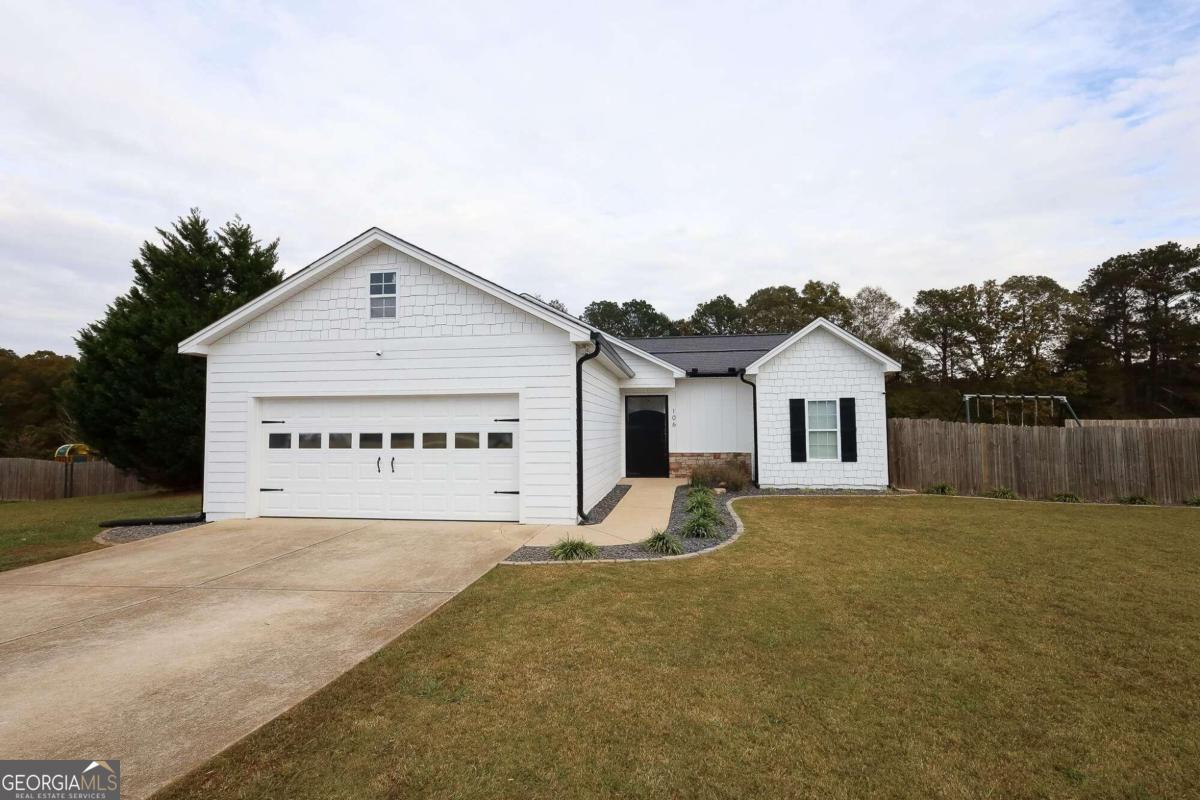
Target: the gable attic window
(383, 295)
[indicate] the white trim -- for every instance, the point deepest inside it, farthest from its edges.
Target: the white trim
(653, 359)
(198, 343)
(382, 295)
(889, 364)
(809, 429)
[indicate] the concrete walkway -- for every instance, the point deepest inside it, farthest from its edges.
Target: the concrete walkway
(163, 652)
(645, 508)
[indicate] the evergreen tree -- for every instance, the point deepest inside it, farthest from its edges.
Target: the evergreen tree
(133, 396)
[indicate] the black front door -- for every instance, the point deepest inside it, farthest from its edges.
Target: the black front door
(646, 436)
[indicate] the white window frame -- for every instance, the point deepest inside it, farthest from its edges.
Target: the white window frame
(836, 429)
(382, 294)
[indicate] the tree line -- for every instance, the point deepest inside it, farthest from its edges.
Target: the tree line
(1126, 342)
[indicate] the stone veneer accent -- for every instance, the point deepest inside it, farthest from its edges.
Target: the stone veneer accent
(682, 464)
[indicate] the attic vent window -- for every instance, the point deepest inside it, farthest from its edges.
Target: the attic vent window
(383, 295)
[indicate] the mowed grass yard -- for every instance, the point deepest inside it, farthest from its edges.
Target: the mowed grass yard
(843, 647)
(42, 530)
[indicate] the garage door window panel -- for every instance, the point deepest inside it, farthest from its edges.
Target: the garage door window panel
(466, 441)
(309, 441)
(370, 441)
(402, 441)
(433, 441)
(340, 441)
(499, 440)
(279, 441)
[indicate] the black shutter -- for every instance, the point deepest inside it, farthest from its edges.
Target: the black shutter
(796, 411)
(849, 427)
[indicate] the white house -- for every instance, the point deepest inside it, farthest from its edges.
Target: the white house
(384, 381)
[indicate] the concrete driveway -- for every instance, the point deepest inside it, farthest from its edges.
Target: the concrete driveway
(163, 652)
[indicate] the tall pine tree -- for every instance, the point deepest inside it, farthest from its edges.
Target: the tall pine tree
(132, 395)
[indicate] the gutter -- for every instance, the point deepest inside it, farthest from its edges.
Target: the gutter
(599, 342)
(754, 409)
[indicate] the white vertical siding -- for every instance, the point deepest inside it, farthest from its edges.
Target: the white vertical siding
(822, 367)
(447, 338)
(602, 421)
(711, 415)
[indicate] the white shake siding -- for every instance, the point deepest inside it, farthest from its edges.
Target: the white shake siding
(447, 338)
(601, 432)
(822, 367)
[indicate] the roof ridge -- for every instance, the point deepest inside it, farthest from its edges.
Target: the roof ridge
(707, 336)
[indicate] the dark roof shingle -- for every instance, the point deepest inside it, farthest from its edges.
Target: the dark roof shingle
(710, 354)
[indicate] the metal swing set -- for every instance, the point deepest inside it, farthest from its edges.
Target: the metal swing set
(1055, 402)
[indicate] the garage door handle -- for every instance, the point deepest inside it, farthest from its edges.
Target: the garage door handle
(377, 462)
(393, 463)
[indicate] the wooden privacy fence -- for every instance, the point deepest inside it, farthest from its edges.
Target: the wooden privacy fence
(1095, 463)
(34, 479)
(1165, 422)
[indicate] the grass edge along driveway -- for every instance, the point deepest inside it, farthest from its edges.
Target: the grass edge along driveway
(33, 531)
(843, 647)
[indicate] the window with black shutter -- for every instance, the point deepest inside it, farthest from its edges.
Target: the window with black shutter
(849, 429)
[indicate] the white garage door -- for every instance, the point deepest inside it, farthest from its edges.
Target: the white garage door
(390, 457)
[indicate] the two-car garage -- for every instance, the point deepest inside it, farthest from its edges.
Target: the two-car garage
(443, 457)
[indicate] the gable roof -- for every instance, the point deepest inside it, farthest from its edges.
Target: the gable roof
(710, 355)
(197, 343)
(889, 364)
(613, 340)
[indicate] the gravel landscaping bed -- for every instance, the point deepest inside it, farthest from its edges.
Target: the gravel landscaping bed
(607, 504)
(133, 533)
(634, 552)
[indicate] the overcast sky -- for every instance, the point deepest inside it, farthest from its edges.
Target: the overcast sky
(669, 151)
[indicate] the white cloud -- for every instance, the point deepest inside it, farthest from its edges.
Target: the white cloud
(649, 150)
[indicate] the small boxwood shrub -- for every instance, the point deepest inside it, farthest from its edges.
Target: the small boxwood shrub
(663, 543)
(1001, 493)
(941, 488)
(1135, 500)
(571, 549)
(1066, 497)
(1192, 501)
(731, 473)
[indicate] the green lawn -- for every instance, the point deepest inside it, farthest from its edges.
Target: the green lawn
(35, 531)
(844, 647)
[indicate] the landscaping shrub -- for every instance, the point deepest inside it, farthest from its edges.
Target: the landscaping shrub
(941, 488)
(699, 500)
(1002, 493)
(701, 526)
(1066, 497)
(731, 473)
(1135, 500)
(1192, 501)
(570, 549)
(663, 543)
